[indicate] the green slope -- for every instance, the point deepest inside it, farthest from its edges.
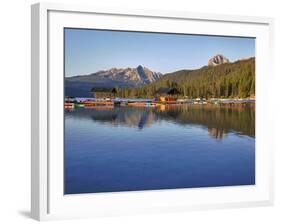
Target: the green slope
(225, 81)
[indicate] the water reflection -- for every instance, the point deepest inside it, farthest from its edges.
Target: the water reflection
(218, 120)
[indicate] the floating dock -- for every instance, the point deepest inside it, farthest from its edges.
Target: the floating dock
(109, 104)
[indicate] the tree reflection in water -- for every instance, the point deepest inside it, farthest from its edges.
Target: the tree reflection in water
(219, 120)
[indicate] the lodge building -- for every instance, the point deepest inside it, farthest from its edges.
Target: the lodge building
(167, 94)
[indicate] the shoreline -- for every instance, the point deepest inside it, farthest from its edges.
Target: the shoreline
(84, 102)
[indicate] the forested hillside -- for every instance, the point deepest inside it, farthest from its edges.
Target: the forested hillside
(225, 81)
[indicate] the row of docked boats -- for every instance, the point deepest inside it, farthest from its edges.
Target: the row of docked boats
(88, 104)
(110, 103)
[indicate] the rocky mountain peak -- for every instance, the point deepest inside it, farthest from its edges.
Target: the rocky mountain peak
(121, 77)
(218, 60)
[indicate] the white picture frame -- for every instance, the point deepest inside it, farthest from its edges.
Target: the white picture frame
(48, 201)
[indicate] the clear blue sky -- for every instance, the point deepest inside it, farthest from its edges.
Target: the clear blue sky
(88, 51)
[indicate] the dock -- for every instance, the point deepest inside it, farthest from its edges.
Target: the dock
(96, 103)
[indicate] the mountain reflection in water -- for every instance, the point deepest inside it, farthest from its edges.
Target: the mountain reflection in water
(218, 120)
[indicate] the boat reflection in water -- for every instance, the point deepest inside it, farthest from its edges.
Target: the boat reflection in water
(169, 146)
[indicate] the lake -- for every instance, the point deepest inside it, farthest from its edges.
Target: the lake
(167, 147)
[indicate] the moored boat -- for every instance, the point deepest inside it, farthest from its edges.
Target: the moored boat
(98, 103)
(79, 105)
(69, 105)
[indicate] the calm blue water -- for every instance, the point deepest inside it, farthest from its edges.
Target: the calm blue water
(127, 149)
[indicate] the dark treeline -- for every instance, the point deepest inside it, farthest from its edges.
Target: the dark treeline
(223, 81)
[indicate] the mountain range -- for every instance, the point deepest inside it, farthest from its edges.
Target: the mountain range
(219, 78)
(114, 77)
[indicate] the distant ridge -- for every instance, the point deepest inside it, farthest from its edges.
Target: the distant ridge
(114, 77)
